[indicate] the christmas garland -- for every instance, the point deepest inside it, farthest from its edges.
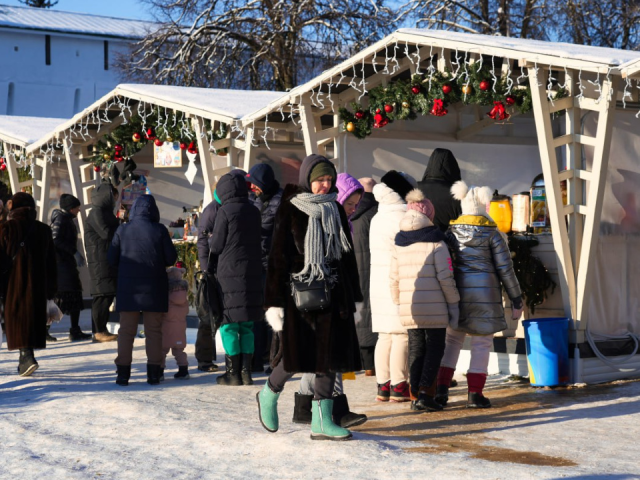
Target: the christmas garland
(432, 94)
(534, 278)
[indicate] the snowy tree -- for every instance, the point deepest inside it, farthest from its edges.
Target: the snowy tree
(40, 3)
(258, 44)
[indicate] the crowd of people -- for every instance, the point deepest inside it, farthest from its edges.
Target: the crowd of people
(325, 277)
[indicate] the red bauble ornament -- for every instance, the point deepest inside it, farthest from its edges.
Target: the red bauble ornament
(136, 137)
(3, 167)
(117, 147)
(378, 110)
(96, 168)
(438, 108)
(150, 134)
(191, 147)
(359, 114)
(510, 100)
(384, 122)
(484, 85)
(377, 118)
(415, 89)
(158, 142)
(118, 158)
(388, 108)
(498, 112)
(446, 89)
(183, 146)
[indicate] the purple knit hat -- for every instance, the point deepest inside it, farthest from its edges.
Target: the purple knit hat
(417, 201)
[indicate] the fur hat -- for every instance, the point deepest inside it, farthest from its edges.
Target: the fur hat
(399, 182)
(473, 200)
(417, 201)
(175, 273)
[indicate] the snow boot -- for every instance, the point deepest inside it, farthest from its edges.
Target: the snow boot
(124, 373)
(162, 374)
(50, 338)
(245, 373)
(425, 401)
(27, 362)
(268, 408)
(76, 335)
(102, 337)
(153, 374)
(322, 426)
(302, 409)
(400, 392)
(445, 381)
(384, 390)
(231, 378)
(475, 398)
(442, 395)
(207, 367)
(183, 373)
(343, 416)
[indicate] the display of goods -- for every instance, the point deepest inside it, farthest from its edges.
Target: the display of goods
(539, 211)
(521, 204)
(500, 211)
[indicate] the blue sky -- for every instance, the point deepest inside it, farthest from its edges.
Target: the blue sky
(112, 8)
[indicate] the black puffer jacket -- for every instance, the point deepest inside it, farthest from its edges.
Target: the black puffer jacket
(441, 173)
(205, 227)
(267, 205)
(99, 229)
(65, 239)
(361, 221)
(235, 243)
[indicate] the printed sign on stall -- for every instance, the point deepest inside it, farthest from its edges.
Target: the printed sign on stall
(167, 155)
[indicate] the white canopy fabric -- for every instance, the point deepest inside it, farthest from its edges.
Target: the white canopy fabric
(21, 131)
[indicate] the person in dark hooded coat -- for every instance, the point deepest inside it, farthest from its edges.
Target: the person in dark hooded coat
(65, 238)
(141, 249)
(236, 251)
(441, 173)
(206, 337)
(28, 265)
(99, 229)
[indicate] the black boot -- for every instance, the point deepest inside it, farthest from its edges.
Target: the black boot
(162, 374)
(50, 338)
(27, 363)
(302, 409)
(153, 374)
(231, 378)
(442, 395)
(343, 416)
(76, 334)
(124, 374)
(478, 400)
(245, 373)
(183, 373)
(425, 403)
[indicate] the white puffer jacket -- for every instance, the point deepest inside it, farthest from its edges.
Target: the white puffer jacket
(421, 275)
(385, 314)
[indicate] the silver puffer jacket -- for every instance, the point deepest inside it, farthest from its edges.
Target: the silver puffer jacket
(482, 265)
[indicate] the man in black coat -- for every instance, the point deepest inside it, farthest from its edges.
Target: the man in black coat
(441, 173)
(266, 195)
(361, 221)
(206, 337)
(99, 229)
(236, 250)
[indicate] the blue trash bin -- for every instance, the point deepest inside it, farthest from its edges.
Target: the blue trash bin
(547, 342)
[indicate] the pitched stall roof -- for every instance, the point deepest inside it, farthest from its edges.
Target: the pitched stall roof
(607, 61)
(46, 20)
(226, 106)
(21, 131)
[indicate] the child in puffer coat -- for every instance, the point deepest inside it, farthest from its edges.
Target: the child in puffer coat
(174, 322)
(422, 284)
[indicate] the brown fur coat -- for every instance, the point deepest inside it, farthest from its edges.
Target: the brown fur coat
(32, 279)
(314, 342)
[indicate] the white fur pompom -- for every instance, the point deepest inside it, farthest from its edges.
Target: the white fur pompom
(459, 190)
(414, 196)
(484, 195)
(275, 318)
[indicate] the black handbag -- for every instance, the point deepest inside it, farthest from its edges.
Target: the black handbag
(208, 301)
(311, 297)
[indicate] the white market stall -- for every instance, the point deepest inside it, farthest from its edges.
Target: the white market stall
(16, 133)
(578, 133)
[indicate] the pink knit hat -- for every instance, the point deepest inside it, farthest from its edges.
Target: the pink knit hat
(416, 201)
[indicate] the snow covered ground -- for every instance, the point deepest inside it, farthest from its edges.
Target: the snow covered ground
(70, 421)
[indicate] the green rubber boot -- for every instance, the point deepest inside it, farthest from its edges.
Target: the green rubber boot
(268, 408)
(322, 426)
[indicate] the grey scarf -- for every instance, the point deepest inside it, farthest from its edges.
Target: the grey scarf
(325, 239)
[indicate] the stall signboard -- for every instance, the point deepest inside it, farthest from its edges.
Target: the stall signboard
(167, 155)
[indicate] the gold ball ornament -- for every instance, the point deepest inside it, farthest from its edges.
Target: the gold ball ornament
(169, 139)
(466, 89)
(406, 104)
(106, 156)
(350, 127)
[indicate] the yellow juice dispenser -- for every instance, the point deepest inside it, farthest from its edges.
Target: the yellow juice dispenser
(500, 211)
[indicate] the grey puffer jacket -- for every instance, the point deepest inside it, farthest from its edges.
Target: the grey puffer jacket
(482, 266)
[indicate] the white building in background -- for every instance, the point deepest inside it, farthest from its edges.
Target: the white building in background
(54, 63)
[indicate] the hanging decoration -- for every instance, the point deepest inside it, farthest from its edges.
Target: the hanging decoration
(534, 278)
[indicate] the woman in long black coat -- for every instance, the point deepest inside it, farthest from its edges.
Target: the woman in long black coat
(236, 248)
(309, 222)
(28, 264)
(99, 229)
(65, 238)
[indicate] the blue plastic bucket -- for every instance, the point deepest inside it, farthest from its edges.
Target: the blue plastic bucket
(547, 342)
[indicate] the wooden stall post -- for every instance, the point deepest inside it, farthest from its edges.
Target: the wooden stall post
(205, 159)
(308, 128)
(73, 156)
